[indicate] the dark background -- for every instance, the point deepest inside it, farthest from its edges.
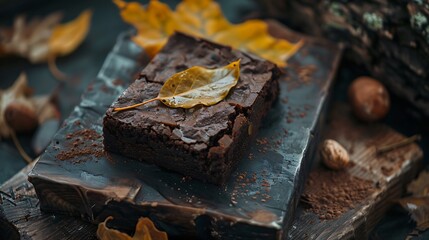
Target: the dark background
(84, 64)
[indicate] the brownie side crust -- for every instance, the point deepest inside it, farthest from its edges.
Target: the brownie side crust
(203, 142)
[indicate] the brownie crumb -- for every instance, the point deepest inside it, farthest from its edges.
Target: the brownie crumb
(90, 87)
(329, 194)
(285, 100)
(81, 145)
(118, 82)
(305, 73)
(263, 144)
(244, 180)
(262, 141)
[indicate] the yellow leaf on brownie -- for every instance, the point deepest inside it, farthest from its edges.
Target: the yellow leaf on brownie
(199, 85)
(202, 18)
(196, 86)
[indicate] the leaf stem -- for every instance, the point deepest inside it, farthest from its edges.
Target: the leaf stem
(20, 149)
(401, 143)
(57, 73)
(135, 105)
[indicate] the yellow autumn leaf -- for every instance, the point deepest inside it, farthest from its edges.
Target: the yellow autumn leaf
(65, 38)
(196, 85)
(145, 230)
(43, 39)
(247, 37)
(154, 23)
(202, 18)
(29, 39)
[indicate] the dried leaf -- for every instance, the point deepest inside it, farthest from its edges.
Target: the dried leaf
(19, 97)
(45, 108)
(44, 40)
(19, 91)
(196, 85)
(420, 186)
(38, 39)
(65, 38)
(154, 24)
(418, 207)
(418, 204)
(202, 18)
(16, 99)
(28, 40)
(145, 230)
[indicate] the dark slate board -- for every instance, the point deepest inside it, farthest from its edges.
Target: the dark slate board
(20, 216)
(95, 188)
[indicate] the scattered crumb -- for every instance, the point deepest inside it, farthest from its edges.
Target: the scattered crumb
(118, 82)
(81, 145)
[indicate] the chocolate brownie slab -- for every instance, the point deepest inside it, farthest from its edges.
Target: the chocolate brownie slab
(201, 142)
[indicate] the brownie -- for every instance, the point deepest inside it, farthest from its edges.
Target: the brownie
(203, 142)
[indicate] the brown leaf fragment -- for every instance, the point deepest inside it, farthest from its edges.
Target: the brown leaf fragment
(145, 230)
(28, 39)
(420, 186)
(418, 207)
(42, 40)
(418, 204)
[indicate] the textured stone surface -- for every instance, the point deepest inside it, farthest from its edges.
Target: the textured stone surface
(389, 38)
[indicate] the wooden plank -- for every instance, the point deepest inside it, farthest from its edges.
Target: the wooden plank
(389, 174)
(21, 218)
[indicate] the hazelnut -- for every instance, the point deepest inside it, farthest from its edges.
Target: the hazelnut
(334, 156)
(369, 99)
(21, 117)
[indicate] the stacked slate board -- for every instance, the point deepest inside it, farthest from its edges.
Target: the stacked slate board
(77, 178)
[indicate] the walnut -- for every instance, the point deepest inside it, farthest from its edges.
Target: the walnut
(369, 99)
(334, 156)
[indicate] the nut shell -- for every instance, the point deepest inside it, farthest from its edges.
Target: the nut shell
(21, 117)
(369, 99)
(334, 156)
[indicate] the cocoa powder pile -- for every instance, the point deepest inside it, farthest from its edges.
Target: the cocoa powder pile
(81, 145)
(329, 194)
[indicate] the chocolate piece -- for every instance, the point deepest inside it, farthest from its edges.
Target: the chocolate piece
(202, 142)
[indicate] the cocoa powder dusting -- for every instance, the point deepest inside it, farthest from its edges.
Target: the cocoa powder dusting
(329, 194)
(81, 145)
